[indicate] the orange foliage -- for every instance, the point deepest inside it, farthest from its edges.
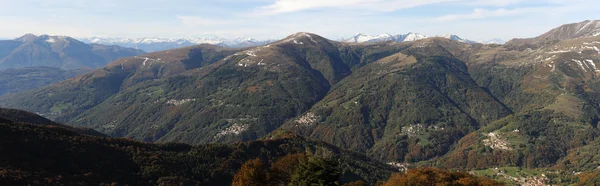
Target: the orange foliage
(284, 167)
(356, 183)
(432, 176)
(252, 173)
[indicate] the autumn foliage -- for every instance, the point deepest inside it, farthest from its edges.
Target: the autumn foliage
(432, 176)
(252, 173)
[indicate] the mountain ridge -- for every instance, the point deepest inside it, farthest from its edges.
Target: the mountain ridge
(588, 28)
(58, 51)
(364, 38)
(432, 101)
(153, 44)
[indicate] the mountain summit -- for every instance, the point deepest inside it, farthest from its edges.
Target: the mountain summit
(588, 28)
(364, 38)
(58, 51)
(432, 101)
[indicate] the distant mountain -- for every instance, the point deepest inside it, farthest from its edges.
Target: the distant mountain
(153, 44)
(583, 29)
(58, 51)
(493, 41)
(363, 38)
(434, 101)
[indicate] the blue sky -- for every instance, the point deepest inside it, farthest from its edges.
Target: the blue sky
(266, 19)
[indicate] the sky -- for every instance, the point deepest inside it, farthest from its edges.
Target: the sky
(272, 19)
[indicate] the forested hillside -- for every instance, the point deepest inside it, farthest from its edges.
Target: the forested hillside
(22, 79)
(436, 102)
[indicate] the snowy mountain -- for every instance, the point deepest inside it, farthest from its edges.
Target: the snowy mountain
(494, 41)
(411, 37)
(153, 44)
(58, 52)
(363, 38)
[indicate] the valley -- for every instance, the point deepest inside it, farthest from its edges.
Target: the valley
(525, 112)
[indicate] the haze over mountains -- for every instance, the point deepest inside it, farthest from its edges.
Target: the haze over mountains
(58, 51)
(34, 61)
(443, 102)
(153, 44)
(363, 38)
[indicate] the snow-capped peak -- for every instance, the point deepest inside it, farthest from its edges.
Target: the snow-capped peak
(151, 44)
(413, 36)
(456, 38)
(494, 41)
(363, 38)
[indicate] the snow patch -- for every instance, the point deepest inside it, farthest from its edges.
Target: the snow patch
(261, 62)
(580, 64)
(310, 37)
(297, 42)
(150, 60)
(251, 53)
(592, 64)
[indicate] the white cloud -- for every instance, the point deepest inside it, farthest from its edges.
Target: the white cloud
(201, 21)
(287, 6)
(480, 13)
(499, 3)
(472, 19)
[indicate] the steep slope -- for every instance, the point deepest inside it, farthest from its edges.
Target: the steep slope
(65, 100)
(7, 46)
(410, 106)
(198, 94)
(58, 51)
(33, 154)
(588, 28)
(22, 79)
(552, 88)
(433, 101)
(241, 97)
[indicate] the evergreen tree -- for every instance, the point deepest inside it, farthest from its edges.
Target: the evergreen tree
(316, 171)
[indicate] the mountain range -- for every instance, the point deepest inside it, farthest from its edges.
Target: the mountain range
(363, 38)
(58, 51)
(443, 102)
(153, 44)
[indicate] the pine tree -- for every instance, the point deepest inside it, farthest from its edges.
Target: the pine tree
(316, 171)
